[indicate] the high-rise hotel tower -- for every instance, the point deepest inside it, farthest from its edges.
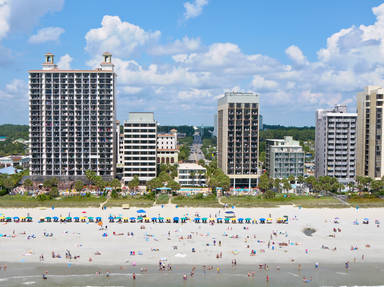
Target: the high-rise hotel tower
(72, 120)
(238, 137)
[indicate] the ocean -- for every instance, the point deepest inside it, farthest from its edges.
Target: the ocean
(328, 275)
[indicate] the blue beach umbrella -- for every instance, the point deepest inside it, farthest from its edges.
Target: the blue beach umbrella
(141, 211)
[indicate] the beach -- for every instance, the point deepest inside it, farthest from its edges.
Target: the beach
(336, 239)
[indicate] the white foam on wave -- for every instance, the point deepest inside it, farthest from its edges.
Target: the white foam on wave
(29, 283)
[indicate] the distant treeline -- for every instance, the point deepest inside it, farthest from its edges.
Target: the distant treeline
(279, 132)
(14, 131)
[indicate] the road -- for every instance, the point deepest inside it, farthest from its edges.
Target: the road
(196, 153)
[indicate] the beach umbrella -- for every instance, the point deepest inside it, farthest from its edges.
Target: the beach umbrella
(197, 219)
(55, 218)
(248, 219)
(262, 219)
(125, 219)
(154, 218)
(226, 219)
(117, 218)
(76, 217)
(110, 217)
(141, 211)
(132, 218)
(161, 218)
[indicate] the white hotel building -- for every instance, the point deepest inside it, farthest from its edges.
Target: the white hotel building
(140, 135)
(72, 120)
(335, 144)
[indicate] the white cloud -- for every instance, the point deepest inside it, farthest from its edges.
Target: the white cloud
(194, 9)
(16, 89)
(65, 62)
(261, 84)
(46, 35)
(178, 46)
(118, 37)
(296, 55)
(352, 58)
(4, 18)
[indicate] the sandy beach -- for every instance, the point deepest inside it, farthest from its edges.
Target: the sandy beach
(217, 244)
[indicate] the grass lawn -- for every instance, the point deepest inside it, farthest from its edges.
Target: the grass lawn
(162, 199)
(192, 201)
(17, 201)
(366, 202)
(303, 201)
(137, 201)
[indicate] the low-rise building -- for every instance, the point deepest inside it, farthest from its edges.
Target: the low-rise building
(284, 158)
(167, 152)
(191, 174)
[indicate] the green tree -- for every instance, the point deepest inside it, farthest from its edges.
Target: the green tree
(115, 184)
(376, 185)
(91, 176)
(28, 183)
(269, 194)
(201, 162)
(286, 184)
(173, 185)
(154, 183)
(265, 182)
(134, 183)
(78, 185)
(54, 192)
(291, 179)
(276, 184)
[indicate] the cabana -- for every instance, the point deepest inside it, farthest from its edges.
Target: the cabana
(269, 220)
(197, 220)
(29, 219)
(233, 220)
(23, 219)
(226, 220)
(76, 219)
(262, 220)
(111, 219)
(366, 221)
(90, 219)
(161, 219)
(219, 220)
(132, 219)
(286, 218)
(240, 220)
(48, 219)
(147, 220)
(118, 219)
(248, 220)
(55, 219)
(140, 219)
(42, 219)
(68, 219)
(280, 220)
(168, 220)
(175, 220)
(211, 220)
(98, 219)
(16, 219)
(83, 219)
(62, 219)
(8, 219)
(204, 220)
(154, 219)
(125, 219)
(2, 218)
(183, 219)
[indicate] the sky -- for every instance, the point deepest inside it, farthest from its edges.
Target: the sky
(176, 58)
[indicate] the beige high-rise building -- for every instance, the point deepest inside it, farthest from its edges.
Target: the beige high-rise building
(370, 160)
(238, 137)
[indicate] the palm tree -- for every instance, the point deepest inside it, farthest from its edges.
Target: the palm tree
(192, 176)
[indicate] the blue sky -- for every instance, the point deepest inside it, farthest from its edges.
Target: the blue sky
(177, 57)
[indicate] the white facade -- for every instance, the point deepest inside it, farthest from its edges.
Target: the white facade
(284, 158)
(72, 123)
(167, 141)
(335, 144)
(191, 174)
(140, 135)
